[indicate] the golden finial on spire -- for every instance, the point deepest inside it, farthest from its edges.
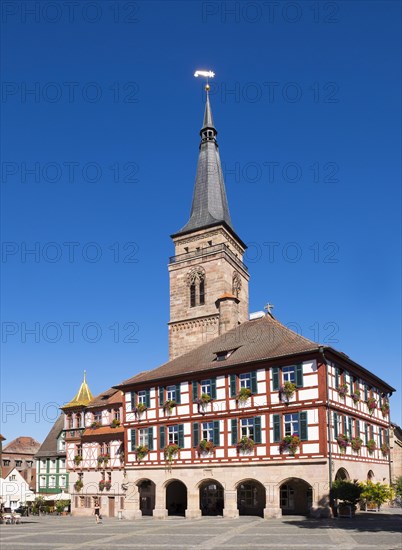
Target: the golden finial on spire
(207, 75)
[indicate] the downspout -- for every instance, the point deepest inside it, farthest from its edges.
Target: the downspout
(331, 502)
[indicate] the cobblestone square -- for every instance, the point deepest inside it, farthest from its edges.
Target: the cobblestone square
(367, 530)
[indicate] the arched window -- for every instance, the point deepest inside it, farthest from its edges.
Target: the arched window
(196, 284)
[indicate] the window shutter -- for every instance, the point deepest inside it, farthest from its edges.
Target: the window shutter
(151, 439)
(133, 439)
(351, 383)
(234, 431)
(277, 427)
(148, 398)
(217, 435)
(380, 436)
(213, 388)
(161, 395)
(162, 437)
(195, 390)
(344, 424)
(196, 434)
(335, 425)
(181, 435)
(337, 374)
(349, 426)
(275, 378)
(303, 426)
(365, 432)
(257, 429)
(178, 396)
(365, 392)
(357, 428)
(253, 381)
(387, 436)
(299, 376)
(132, 400)
(232, 385)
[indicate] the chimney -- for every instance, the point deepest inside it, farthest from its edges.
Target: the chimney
(227, 305)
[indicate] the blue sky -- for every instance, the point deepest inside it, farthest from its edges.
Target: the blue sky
(100, 122)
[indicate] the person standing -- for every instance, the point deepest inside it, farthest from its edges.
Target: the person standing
(97, 514)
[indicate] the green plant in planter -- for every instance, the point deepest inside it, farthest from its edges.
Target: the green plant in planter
(203, 401)
(115, 423)
(246, 445)
(206, 446)
(385, 407)
(103, 458)
(287, 390)
(102, 484)
(289, 443)
(139, 408)
(343, 390)
(169, 405)
(371, 404)
(78, 485)
(376, 492)
(371, 446)
(385, 449)
(243, 395)
(77, 459)
(141, 451)
(343, 442)
(347, 491)
(356, 443)
(95, 425)
(171, 451)
(355, 396)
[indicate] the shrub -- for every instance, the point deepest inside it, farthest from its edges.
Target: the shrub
(376, 492)
(347, 491)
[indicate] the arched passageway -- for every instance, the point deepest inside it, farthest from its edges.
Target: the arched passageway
(211, 498)
(342, 475)
(296, 497)
(176, 498)
(370, 475)
(251, 498)
(146, 490)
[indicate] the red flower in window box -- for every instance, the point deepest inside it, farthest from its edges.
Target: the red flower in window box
(206, 446)
(371, 404)
(289, 443)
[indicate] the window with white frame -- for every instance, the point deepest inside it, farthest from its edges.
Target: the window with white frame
(247, 427)
(98, 416)
(43, 464)
(13, 478)
(62, 481)
(62, 463)
(171, 393)
(173, 435)
(52, 481)
(62, 443)
(42, 481)
(141, 396)
(207, 431)
(53, 464)
(143, 437)
(291, 424)
(245, 380)
(116, 413)
(206, 387)
(78, 420)
(289, 374)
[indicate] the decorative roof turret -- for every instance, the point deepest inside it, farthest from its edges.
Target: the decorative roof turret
(83, 396)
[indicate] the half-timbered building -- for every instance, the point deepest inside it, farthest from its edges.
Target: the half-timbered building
(247, 417)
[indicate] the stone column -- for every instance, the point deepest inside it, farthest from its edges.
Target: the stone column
(160, 511)
(193, 505)
(230, 505)
(132, 502)
(272, 508)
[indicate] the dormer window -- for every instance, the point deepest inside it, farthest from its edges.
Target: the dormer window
(223, 355)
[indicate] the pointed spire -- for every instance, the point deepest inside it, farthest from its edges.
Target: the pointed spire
(83, 396)
(210, 205)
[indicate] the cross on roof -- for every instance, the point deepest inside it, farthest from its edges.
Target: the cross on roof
(268, 307)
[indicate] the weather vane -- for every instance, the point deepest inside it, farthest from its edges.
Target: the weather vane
(207, 75)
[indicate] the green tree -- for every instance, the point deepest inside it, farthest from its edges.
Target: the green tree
(347, 491)
(376, 492)
(398, 486)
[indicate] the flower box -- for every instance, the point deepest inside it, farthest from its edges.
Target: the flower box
(206, 447)
(245, 445)
(343, 390)
(356, 443)
(290, 444)
(371, 404)
(169, 405)
(171, 451)
(287, 391)
(243, 395)
(343, 442)
(141, 451)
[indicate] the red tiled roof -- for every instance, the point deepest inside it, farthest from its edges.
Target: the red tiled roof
(108, 397)
(22, 445)
(103, 430)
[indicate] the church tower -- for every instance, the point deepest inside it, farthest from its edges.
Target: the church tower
(208, 279)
